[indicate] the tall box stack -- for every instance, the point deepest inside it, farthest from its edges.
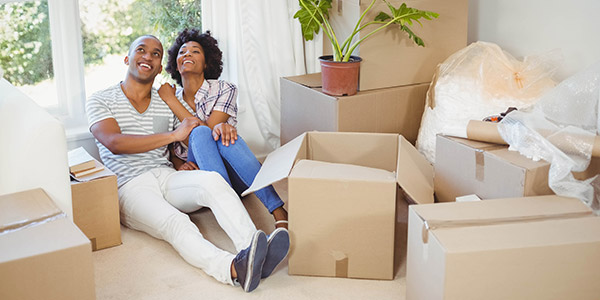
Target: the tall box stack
(394, 74)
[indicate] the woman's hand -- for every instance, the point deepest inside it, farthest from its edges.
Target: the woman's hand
(227, 133)
(167, 92)
(188, 166)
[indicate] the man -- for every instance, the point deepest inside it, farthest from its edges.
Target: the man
(133, 127)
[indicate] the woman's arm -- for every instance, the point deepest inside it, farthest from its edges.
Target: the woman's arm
(167, 94)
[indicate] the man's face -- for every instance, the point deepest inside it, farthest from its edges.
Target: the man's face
(144, 59)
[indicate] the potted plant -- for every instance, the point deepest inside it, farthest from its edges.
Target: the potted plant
(314, 16)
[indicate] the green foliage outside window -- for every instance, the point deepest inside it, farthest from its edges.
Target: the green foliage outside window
(25, 46)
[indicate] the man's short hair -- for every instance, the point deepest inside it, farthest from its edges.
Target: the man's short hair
(139, 38)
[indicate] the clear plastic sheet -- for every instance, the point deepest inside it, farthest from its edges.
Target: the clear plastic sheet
(561, 129)
(478, 81)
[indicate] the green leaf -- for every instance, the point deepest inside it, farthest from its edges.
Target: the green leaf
(310, 16)
(382, 17)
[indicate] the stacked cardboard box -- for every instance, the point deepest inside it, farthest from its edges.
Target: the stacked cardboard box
(344, 193)
(96, 210)
(43, 254)
(394, 75)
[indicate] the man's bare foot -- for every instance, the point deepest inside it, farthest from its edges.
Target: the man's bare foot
(281, 217)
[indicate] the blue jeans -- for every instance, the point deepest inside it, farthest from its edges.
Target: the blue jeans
(236, 163)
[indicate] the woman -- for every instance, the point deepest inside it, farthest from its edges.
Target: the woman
(195, 63)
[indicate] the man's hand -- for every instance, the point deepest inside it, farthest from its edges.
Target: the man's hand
(227, 133)
(167, 92)
(183, 131)
(188, 166)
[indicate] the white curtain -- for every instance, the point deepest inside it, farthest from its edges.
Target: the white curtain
(261, 42)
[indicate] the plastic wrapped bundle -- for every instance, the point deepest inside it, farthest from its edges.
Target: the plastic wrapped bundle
(561, 129)
(478, 81)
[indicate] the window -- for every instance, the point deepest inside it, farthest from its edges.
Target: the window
(61, 51)
(26, 51)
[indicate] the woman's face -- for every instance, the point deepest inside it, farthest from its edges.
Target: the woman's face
(190, 58)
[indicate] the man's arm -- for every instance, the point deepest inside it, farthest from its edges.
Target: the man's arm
(109, 134)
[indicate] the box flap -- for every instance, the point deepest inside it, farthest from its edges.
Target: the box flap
(310, 80)
(277, 165)
(415, 174)
(344, 172)
(21, 209)
(501, 209)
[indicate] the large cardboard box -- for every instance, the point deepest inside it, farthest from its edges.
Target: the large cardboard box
(390, 58)
(464, 167)
(304, 107)
(96, 211)
(43, 255)
(342, 194)
(544, 247)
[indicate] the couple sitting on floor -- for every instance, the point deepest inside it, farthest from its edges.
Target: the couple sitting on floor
(177, 150)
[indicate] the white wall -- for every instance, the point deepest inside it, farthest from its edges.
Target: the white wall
(526, 27)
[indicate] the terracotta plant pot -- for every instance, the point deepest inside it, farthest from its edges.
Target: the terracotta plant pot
(339, 78)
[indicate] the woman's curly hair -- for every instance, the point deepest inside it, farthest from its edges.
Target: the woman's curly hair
(213, 56)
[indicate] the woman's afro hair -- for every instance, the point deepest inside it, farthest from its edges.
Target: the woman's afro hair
(213, 56)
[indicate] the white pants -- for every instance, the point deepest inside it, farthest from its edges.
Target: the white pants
(157, 201)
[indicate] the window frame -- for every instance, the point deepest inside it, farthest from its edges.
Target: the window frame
(67, 61)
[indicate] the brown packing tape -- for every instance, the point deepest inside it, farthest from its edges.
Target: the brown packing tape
(488, 132)
(480, 160)
(341, 264)
(429, 225)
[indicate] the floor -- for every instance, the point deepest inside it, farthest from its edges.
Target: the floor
(146, 268)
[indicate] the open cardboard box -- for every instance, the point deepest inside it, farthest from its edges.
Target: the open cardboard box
(544, 247)
(342, 195)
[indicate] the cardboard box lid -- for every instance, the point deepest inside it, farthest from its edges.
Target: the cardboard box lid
(413, 173)
(467, 225)
(310, 80)
(24, 208)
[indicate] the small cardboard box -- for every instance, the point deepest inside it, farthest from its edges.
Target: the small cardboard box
(544, 247)
(390, 58)
(43, 255)
(96, 211)
(304, 107)
(342, 194)
(464, 167)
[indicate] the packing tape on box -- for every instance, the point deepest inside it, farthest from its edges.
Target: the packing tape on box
(480, 160)
(31, 223)
(429, 225)
(341, 263)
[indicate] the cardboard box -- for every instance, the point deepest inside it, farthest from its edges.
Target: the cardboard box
(342, 194)
(390, 58)
(43, 254)
(464, 167)
(304, 107)
(96, 211)
(544, 247)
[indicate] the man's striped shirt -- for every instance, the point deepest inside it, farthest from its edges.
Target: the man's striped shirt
(158, 118)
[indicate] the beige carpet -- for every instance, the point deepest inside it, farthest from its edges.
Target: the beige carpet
(146, 268)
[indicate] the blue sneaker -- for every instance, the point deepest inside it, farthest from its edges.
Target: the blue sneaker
(248, 263)
(278, 246)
